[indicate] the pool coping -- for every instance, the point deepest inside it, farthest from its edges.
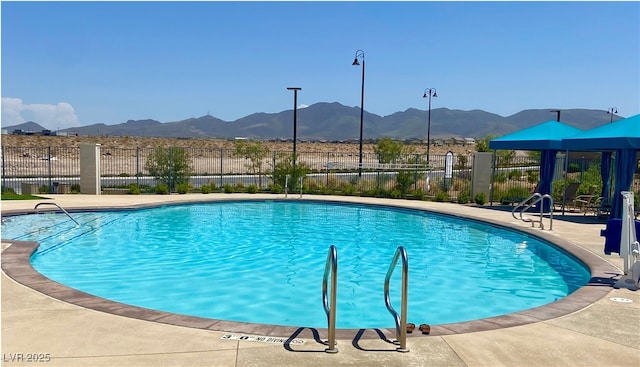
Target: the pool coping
(16, 264)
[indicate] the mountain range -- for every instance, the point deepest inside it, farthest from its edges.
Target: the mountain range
(334, 121)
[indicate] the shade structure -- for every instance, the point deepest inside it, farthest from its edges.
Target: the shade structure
(621, 137)
(544, 136)
(621, 134)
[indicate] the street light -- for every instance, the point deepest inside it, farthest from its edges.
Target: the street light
(429, 92)
(611, 111)
(295, 117)
(557, 114)
(360, 54)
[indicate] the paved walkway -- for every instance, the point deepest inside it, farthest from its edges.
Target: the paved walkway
(593, 329)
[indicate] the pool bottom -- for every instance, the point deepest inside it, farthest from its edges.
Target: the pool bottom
(16, 264)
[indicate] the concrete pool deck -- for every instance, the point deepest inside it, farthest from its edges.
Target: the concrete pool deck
(589, 329)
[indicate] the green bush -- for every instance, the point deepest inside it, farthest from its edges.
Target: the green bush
(500, 177)
(75, 188)
(162, 189)
(274, 188)
(44, 189)
(228, 189)
(395, 194)
(480, 198)
(514, 174)
(205, 189)
(442, 196)
(134, 189)
(464, 196)
(8, 190)
(170, 166)
(183, 188)
(252, 189)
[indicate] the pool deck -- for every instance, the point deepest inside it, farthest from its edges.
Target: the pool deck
(588, 329)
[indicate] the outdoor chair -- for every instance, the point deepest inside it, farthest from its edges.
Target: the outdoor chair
(583, 203)
(569, 195)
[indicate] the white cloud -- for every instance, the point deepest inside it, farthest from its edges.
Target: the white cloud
(50, 116)
(303, 106)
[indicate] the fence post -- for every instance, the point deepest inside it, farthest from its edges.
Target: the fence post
(4, 175)
(90, 169)
(49, 159)
(138, 166)
(221, 165)
(482, 174)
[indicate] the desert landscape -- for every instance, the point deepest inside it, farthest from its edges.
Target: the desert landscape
(131, 142)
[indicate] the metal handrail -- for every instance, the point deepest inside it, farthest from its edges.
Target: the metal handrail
(61, 208)
(330, 310)
(531, 201)
(401, 320)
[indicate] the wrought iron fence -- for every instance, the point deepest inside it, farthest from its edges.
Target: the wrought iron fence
(322, 172)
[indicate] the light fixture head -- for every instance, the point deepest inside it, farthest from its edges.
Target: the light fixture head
(425, 95)
(355, 62)
(434, 93)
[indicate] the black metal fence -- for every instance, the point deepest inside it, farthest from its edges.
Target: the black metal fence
(321, 172)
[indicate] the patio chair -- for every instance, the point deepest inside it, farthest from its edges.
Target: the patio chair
(584, 203)
(569, 195)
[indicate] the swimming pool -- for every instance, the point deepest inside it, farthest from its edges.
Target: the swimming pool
(263, 261)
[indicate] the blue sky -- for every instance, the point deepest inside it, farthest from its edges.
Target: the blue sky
(79, 63)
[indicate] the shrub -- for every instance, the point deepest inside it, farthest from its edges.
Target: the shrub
(205, 189)
(500, 177)
(252, 189)
(442, 196)
(396, 194)
(8, 190)
(183, 188)
(228, 189)
(75, 188)
(480, 198)
(274, 188)
(464, 196)
(162, 189)
(44, 189)
(134, 189)
(418, 194)
(514, 174)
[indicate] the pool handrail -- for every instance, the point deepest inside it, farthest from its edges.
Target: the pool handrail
(401, 320)
(59, 207)
(531, 201)
(331, 266)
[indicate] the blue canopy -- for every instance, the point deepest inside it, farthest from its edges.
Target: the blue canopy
(621, 137)
(545, 136)
(621, 134)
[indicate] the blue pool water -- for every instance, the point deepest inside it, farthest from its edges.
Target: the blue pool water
(263, 262)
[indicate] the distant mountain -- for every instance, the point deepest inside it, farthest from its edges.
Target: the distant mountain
(334, 121)
(25, 126)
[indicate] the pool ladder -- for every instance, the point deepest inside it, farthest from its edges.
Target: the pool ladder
(61, 208)
(331, 267)
(400, 319)
(531, 201)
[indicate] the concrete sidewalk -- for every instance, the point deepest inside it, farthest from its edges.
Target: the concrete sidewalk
(602, 332)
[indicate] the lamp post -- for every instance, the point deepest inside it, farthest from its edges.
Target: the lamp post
(295, 118)
(557, 114)
(611, 111)
(360, 54)
(429, 92)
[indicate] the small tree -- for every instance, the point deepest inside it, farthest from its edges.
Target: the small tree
(170, 166)
(482, 145)
(284, 167)
(255, 152)
(388, 150)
